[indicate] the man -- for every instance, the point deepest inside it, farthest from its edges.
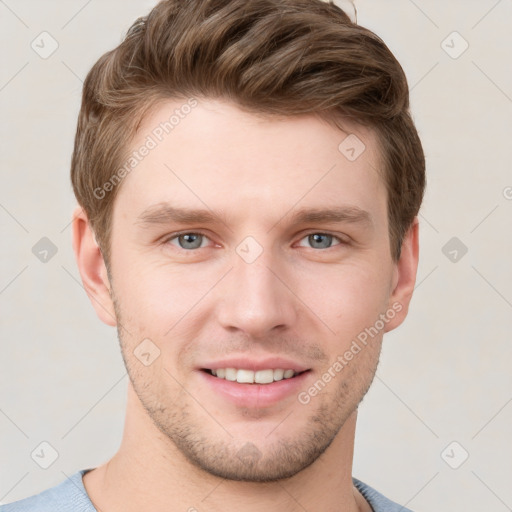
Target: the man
(249, 179)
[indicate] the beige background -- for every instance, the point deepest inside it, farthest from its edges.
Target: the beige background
(444, 375)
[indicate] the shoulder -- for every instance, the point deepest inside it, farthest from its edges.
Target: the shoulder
(68, 496)
(378, 502)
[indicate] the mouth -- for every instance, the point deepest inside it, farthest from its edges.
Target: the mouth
(255, 389)
(244, 376)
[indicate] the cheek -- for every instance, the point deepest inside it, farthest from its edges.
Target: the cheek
(351, 297)
(167, 307)
(158, 294)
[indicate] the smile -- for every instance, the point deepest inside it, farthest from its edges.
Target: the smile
(243, 376)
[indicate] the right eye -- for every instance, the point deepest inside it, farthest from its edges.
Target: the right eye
(187, 240)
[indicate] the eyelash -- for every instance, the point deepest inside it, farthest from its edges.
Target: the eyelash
(174, 236)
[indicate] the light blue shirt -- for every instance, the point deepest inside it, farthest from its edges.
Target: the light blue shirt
(71, 496)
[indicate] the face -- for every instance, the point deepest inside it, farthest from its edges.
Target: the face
(255, 244)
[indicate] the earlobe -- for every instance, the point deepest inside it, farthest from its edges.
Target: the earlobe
(404, 278)
(91, 266)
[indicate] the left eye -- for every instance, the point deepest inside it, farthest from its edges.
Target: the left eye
(321, 240)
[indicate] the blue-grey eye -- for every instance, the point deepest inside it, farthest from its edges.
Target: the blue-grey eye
(320, 240)
(189, 240)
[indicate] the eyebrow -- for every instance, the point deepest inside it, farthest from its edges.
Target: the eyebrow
(165, 213)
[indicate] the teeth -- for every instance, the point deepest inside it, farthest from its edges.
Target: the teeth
(245, 376)
(278, 374)
(251, 377)
(230, 374)
(264, 376)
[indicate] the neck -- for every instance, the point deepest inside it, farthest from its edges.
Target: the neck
(149, 473)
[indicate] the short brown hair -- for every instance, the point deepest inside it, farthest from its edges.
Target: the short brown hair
(273, 57)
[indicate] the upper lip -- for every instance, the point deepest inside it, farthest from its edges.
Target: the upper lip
(242, 363)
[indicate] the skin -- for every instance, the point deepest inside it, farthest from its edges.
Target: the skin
(299, 299)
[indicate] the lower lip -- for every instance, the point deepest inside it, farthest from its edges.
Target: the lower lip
(256, 395)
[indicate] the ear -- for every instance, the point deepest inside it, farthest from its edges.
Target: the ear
(404, 277)
(92, 268)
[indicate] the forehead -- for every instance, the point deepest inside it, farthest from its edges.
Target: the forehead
(210, 154)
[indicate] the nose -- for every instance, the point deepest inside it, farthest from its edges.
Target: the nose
(255, 298)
